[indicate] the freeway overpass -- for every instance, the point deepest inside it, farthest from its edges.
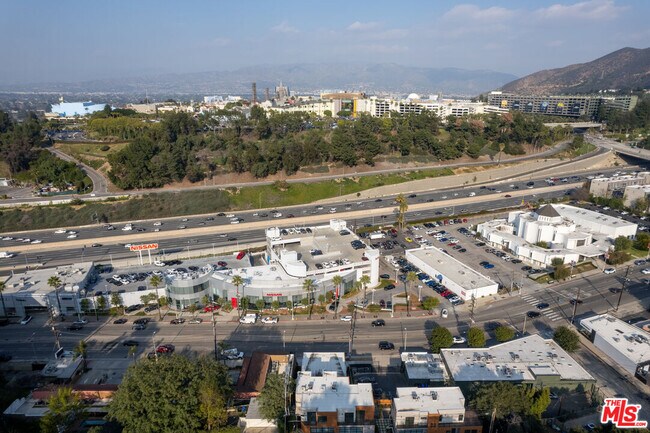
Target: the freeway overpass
(620, 148)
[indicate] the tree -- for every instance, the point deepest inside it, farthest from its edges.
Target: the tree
(411, 277)
(276, 304)
(55, 282)
(165, 395)
(321, 299)
(642, 241)
(500, 399)
(441, 338)
(618, 257)
(622, 243)
(475, 337)
(640, 206)
(64, 408)
(81, 349)
(504, 333)
(205, 300)
(364, 280)
(85, 305)
(156, 281)
(260, 304)
(539, 401)
(309, 286)
(567, 339)
(212, 407)
(3, 285)
(429, 303)
(116, 300)
(101, 303)
(401, 210)
(561, 272)
(192, 308)
(274, 397)
(238, 281)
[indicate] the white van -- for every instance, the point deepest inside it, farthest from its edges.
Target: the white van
(127, 228)
(6, 255)
(249, 318)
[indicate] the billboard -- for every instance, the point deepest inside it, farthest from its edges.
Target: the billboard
(143, 247)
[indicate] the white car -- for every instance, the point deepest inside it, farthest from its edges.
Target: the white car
(235, 221)
(37, 241)
(232, 354)
(277, 215)
(346, 318)
(459, 340)
(230, 215)
(157, 224)
(59, 232)
(159, 263)
(332, 210)
(269, 320)
(80, 322)
(609, 271)
(444, 313)
(72, 236)
(25, 320)
(646, 271)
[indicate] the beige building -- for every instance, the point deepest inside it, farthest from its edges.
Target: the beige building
(634, 193)
(611, 186)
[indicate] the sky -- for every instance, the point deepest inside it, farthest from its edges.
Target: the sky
(72, 41)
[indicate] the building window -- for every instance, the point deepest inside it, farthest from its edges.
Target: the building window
(460, 417)
(311, 417)
(322, 430)
(349, 417)
(350, 429)
(409, 421)
(361, 415)
(322, 419)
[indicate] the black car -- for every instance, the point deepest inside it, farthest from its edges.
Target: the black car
(150, 308)
(389, 287)
(533, 314)
(119, 321)
(526, 268)
(386, 345)
(75, 327)
(132, 308)
(141, 321)
(177, 321)
(542, 305)
(378, 322)
(130, 343)
(384, 276)
(574, 301)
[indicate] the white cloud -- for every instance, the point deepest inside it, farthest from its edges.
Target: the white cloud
(587, 10)
(359, 26)
(284, 27)
(467, 12)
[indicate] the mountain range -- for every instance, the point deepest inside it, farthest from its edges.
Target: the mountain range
(624, 69)
(371, 78)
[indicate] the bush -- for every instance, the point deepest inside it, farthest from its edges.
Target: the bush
(566, 339)
(374, 308)
(105, 148)
(504, 333)
(475, 337)
(227, 307)
(429, 303)
(441, 338)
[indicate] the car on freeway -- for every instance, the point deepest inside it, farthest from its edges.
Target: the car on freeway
(378, 322)
(645, 271)
(542, 305)
(120, 321)
(609, 271)
(533, 314)
(269, 320)
(346, 318)
(386, 345)
(130, 343)
(459, 340)
(178, 321)
(639, 262)
(71, 236)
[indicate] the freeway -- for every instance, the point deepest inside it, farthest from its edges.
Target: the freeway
(213, 231)
(622, 148)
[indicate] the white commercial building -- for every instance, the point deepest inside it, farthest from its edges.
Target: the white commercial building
(627, 345)
(429, 409)
(72, 109)
(530, 359)
(610, 186)
(556, 231)
(423, 368)
(633, 193)
(453, 274)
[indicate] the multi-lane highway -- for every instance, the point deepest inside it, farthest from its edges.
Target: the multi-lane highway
(206, 231)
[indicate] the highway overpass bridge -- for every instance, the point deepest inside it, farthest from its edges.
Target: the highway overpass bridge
(619, 148)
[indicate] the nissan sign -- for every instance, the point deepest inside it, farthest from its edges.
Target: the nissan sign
(143, 247)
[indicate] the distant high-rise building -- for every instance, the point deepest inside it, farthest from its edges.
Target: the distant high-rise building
(266, 94)
(281, 92)
(254, 90)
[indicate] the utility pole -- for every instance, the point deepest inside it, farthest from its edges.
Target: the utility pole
(523, 331)
(576, 301)
(471, 308)
(56, 337)
(620, 295)
(352, 325)
(214, 332)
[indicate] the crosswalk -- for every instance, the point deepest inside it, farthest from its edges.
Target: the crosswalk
(547, 312)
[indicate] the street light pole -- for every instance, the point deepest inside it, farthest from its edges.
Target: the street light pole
(405, 337)
(153, 345)
(620, 295)
(576, 301)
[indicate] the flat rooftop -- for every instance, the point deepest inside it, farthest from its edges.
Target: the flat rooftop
(35, 281)
(523, 359)
(319, 362)
(431, 400)
(451, 268)
(631, 341)
(328, 239)
(424, 366)
(331, 393)
(576, 214)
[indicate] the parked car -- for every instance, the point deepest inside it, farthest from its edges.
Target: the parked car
(195, 320)
(459, 340)
(346, 318)
(609, 271)
(178, 321)
(130, 343)
(119, 321)
(269, 320)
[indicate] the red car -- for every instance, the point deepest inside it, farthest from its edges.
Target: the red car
(240, 255)
(445, 293)
(165, 348)
(451, 244)
(211, 308)
(222, 264)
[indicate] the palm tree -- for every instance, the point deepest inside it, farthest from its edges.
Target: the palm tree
(155, 282)
(309, 286)
(81, 350)
(238, 281)
(55, 283)
(337, 280)
(2, 289)
(401, 211)
(364, 280)
(410, 278)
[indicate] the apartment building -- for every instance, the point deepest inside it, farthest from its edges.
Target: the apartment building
(433, 410)
(616, 185)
